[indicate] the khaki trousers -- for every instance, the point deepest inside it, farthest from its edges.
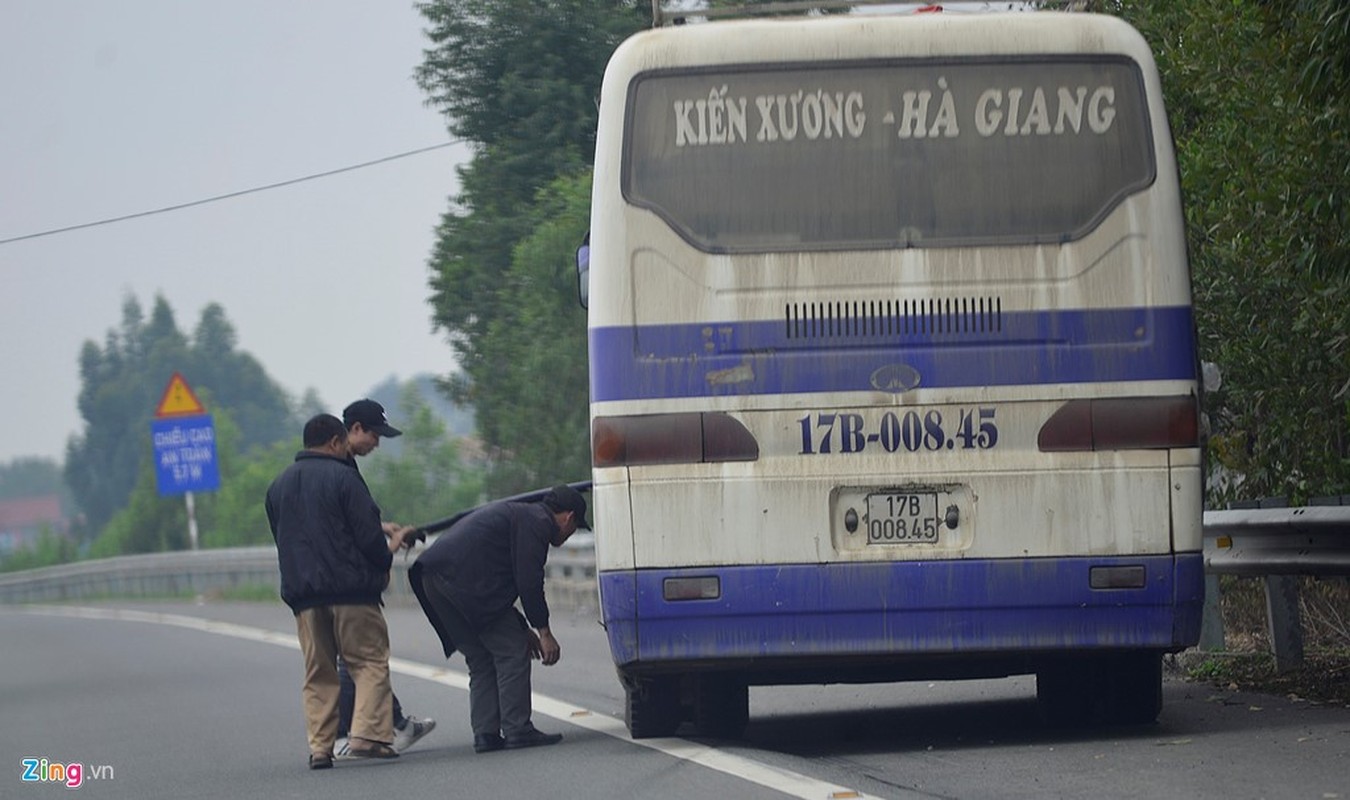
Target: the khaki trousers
(359, 634)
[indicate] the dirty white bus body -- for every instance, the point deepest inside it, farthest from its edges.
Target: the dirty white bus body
(893, 364)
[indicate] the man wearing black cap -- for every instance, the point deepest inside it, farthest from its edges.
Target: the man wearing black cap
(366, 422)
(468, 583)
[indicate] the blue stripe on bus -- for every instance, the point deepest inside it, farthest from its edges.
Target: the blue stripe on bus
(909, 608)
(748, 358)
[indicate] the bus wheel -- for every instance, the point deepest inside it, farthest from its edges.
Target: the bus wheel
(1134, 690)
(1063, 694)
(1122, 689)
(651, 707)
(721, 706)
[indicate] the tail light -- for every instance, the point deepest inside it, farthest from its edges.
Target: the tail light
(688, 438)
(1130, 423)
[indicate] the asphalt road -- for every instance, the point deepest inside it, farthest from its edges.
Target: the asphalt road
(184, 700)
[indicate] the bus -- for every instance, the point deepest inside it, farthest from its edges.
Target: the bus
(893, 367)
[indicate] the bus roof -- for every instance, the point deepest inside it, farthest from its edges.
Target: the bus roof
(680, 15)
(821, 38)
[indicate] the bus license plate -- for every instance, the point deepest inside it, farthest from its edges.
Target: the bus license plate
(902, 518)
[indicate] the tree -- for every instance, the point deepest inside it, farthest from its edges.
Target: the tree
(540, 408)
(428, 479)
(238, 382)
(114, 397)
(121, 385)
(50, 549)
(309, 405)
(518, 80)
(235, 516)
(32, 476)
(1257, 93)
(147, 523)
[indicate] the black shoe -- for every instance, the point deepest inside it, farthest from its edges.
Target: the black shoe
(534, 738)
(487, 742)
(320, 761)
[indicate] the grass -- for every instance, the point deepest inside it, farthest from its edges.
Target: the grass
(1247, 663)
(244, 592)
(1324, 677)
(252, 593)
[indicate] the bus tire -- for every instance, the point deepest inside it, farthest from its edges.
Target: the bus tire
(1119, 689)
(1135, 691)
(1063, 694)
(721, 706)
(651, 707)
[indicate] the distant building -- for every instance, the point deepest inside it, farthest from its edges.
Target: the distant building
(22, 521)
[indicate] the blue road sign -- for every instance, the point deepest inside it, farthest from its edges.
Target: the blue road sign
(185, 454)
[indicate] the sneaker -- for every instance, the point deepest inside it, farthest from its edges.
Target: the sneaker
(320, 761)
(342, 749)
(372, 749)
(414, 728)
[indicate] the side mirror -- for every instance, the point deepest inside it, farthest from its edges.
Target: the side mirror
(584, 272)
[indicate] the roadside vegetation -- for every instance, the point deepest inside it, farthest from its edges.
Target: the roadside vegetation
(1246, 663)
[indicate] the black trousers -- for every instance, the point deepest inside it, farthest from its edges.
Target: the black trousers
(498, 657)
(347, 701)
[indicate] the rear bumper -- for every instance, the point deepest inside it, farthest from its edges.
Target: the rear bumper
(1006, 613)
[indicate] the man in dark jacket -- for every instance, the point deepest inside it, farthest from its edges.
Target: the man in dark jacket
(334, 559)
(469, 581)
(366, 424)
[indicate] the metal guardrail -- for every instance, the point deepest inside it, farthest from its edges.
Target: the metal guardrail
(569, 577)
(149, 575)
(1277, 545)
(1313, 540)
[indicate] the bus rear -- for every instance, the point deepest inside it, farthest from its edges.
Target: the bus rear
(893, 365)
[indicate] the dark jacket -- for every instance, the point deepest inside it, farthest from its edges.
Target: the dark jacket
(330, 546)
(490, 558)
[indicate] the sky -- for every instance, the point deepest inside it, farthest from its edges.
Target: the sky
(113, 108)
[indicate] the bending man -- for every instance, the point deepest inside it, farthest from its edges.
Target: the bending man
(468, 583)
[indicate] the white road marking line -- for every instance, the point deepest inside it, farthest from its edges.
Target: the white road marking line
(786, 781)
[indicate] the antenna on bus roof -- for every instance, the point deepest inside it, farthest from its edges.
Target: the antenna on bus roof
(677, 16)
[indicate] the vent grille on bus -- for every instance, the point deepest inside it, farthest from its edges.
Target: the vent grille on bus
(951, 316)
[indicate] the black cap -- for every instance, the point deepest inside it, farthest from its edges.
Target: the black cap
(371, 416)
(564, 498)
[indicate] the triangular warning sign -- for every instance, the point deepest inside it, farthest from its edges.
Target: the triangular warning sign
(178, 400)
